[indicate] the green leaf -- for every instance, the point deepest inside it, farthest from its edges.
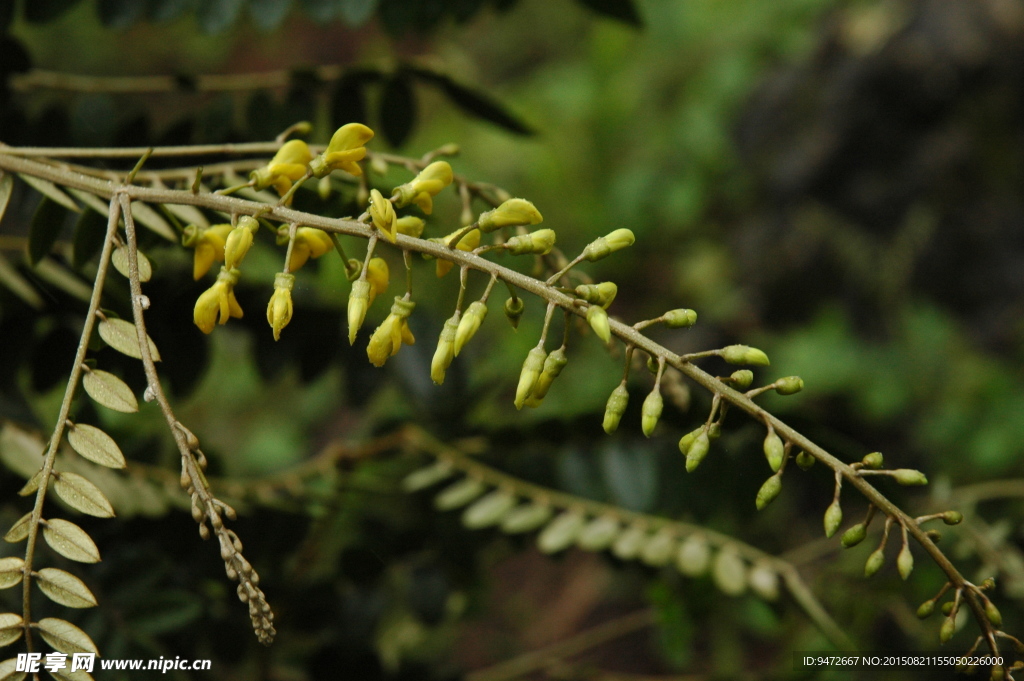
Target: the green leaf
(11, 571)
(110, 391)
(31, 485)
(90, 230)
(122, 336)
(190, 215)
(6, 185)
(489, 510)
(150, 219)
(427, 477)
(19, 530)
(268, 14)
(216, 16)
(9, 671)
(64, 588)
(66, 675)
(12, 280)
(10, 628)
(65, 637)
(81, 495)
(599, 533)
(526, 518)
(620, 10)
(119, 258)
(120, 14)
(397, 109)
(459, 494)
(355, 13)
(99, 205)
(58, 275)
(51, 191)
(70, 541)
(484, 107)
(95, 445)
(561, 533)
(47, 222)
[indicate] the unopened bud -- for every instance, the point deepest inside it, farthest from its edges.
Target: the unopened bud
(926, 609)
(804, 460)
(905, 562)
(598, 294)
(410, 225)
(874, 460)
(742, 378)
(854, 535)
(553, 366)
(774, 450)
(744, 354)
(604, 246)
(323, 188)
(536, 243)
(993, 614)
(651, 411)
(947, 630)
(469, 325)
(833, 518)
(358, 303)
(909, 477)
(947, 608)
(615, 408)
(697, 451)
(874, 562)
(514, 308)
(681, 318)
(511, 213)
(532, 366)
(598, 320)
(952, 517)
(444, 353)
(769, 490)
(789, 385)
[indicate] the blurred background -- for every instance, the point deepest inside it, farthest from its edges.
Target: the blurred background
(836, 182)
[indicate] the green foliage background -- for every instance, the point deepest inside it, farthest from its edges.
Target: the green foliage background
(789, 172)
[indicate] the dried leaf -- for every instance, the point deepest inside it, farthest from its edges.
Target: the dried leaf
(64, 588)
(70, 541)
(119, 258)
(65, 637)
(11, 571)
(19, 530)
(9, 671)
(51, 191)
(110, 391)
(149, 218)
(82, 495)
(10, 628)
(122, 336)
(95, 445)
(66, 675)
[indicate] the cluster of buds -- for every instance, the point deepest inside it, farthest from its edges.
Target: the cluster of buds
(218, 303)
(393, 332)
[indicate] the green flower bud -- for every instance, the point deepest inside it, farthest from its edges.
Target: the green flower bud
(526, 518)
(993, 614)
(934, 535)
(925, 610)
(687, 440)
(698, 450)
(445, 350)
(536, 243)
(514, 311)
(358, 303)
(714, 431)
(947, 608)
(681, 318)
(511, 213)
(952, 517)
(947, 630)
(598, 294)
(599, 533)
(789, 385)
(909, 477)
(693, 556)
(490, 510)
(553, 366)
(769, 490)
(604, 246)
(532, 366)
(833, 518)
(658, 550)
(905, 562)
(652, 365)
(874, 562)
(615, 408)
(651, 411)
(998, 673)
(469, 325)
(742, 378)
(874, 460)
(774, 450)
(744, 354)
(561, 533)
(598, 320)
(804, 460)
(854, 535)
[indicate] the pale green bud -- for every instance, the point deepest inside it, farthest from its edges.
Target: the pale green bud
(804, 460)
(789, 385)
(905, 562)
(615, 408)
(651, 411)
(698, 450)
(514, 311)
(598, 294)
(445, 350)
(686, 441)
(532, 366)
(874, 460)
(358, 303)
(511, 213)
(854, 535)
(833, 518)
(469, 325)
(952, 517)
(598, 320)
(874, 562)
(681, 318)
(947, 630)
(553, 366)
(993, 614)
(606, 245)
(947, 608)
(769, 490)
(934, 535)
(744, 354)
(536, 243)
(742, 378)
(909, 477)
(774, 450)
(925, 609)
(526, 518)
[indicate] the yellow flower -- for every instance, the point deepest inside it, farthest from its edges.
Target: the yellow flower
(410, 225)
(279, 310)
(387, 340)
(425, 186)
(309, 243)
(290, 164)
(358, 303)
(378, 275)
(466, 243)
(511, 213)
(220, 300)
(445, 350)
(346, 148)
(383, 214)
(239, 241)
(209, 245)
